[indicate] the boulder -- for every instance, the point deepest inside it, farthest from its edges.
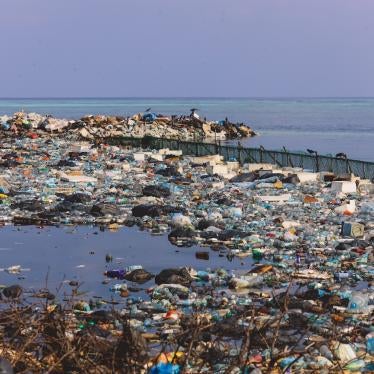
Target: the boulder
(103, 209)
(138, 276)
(174, 276)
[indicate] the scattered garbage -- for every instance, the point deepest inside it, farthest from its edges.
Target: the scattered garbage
(305, 303)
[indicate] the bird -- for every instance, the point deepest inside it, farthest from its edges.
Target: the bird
(311, 151)
(341, 155)
(148, 110)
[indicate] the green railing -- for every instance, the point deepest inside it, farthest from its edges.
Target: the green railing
(313, 162)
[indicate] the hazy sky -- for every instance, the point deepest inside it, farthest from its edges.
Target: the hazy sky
(69, 48)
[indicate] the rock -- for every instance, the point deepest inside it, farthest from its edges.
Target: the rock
(244, 177)
(13, 292)
(154, 210)
(174, 276)
(146, 210)
(230, 233)
(204, 224)
(78, 198)
(103, 209)
(138, 276)
(170, 171)
(181, 233)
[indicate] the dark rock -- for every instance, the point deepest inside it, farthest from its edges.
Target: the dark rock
(271, 175)
(181, 232)
(291, 178)
(152, 210)
(204, 224)
(103, 209)
(156, 191)
(147, 210)
(244, 177)
(170, 171)
(178, 276)
(13, 292)
(78, 197)
(138, 276)
(228, 234)
(68, 206)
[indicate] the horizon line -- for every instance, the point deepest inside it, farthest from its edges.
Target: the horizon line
(181, 97)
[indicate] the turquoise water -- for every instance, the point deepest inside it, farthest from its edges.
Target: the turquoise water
(327, 125)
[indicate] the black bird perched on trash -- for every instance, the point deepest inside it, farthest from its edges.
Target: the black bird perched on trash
(341, 155)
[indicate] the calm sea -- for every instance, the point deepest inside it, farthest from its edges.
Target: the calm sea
(326, 125)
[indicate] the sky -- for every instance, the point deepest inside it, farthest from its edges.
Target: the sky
(186, 48)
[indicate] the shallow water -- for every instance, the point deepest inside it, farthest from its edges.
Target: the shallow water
(327, 125)
(52, 255)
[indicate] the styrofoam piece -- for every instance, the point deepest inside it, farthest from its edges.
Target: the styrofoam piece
(307, 177)
(141, 156)
(217, 169)
(80, 147)
(211, 159)
(274, 198)
(77, 178)
(343, 186)
(254, 167)
(233, 165)
(167, 151)
(157, 156)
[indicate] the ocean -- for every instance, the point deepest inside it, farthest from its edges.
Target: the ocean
(327, 125)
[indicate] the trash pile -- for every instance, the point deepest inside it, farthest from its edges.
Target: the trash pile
(93, 127)
(306, 303)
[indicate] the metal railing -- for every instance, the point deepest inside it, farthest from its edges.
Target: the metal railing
(313, 162)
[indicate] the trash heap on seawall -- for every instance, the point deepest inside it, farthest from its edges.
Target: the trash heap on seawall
(92, 127)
